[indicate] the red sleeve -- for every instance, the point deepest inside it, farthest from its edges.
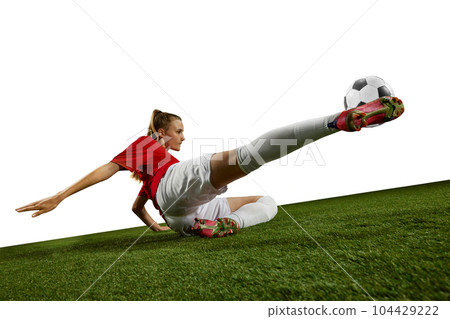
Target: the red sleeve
(145, 156)
(150, 160)
(128, 159)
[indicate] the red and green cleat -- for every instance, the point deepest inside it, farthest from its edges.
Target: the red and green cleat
(215, 228)
(382, 110)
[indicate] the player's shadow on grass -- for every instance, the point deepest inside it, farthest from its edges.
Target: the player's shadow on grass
(150, 241)
(87, 245)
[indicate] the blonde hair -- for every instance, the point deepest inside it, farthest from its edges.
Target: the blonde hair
(159, 119)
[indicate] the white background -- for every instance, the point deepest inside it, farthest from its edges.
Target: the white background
(79, 80)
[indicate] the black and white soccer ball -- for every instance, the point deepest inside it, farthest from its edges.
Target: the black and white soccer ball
(366, 90)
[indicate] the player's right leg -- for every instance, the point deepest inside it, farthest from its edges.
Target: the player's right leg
(376, 112)
(229, 166)
(225, 169)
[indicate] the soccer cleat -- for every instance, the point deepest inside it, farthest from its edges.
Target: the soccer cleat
(215, 228)
(382, 110)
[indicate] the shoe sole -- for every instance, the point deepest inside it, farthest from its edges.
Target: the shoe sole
(220, 229)
(392, 108)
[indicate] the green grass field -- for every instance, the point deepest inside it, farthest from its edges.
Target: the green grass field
(393, 243)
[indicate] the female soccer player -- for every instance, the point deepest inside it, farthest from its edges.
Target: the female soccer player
(185, 192)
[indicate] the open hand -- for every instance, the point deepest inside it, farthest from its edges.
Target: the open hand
(42, 206)
(158, 228)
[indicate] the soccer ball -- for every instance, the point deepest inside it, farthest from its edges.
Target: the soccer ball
(366, 90)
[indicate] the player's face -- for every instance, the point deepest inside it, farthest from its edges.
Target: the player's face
(174, 135)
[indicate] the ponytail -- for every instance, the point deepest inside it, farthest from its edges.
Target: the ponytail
(159, 119)
(152, 131)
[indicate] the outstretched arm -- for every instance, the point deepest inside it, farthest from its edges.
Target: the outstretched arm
(141, 212)
(47, 204)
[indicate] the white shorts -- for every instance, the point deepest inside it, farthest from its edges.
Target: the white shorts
(185, 193)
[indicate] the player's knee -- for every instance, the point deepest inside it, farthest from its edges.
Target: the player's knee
(273, 212)
(272, 208)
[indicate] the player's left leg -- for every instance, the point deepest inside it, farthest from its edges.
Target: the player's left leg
(261, 211)
(244, 212)
(237, 202)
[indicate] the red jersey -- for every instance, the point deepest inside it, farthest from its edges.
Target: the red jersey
(150, 160)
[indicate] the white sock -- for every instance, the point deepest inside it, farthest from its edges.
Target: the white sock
(263, 210)
(282, 141)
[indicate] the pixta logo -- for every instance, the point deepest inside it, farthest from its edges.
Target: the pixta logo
(262, 151)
